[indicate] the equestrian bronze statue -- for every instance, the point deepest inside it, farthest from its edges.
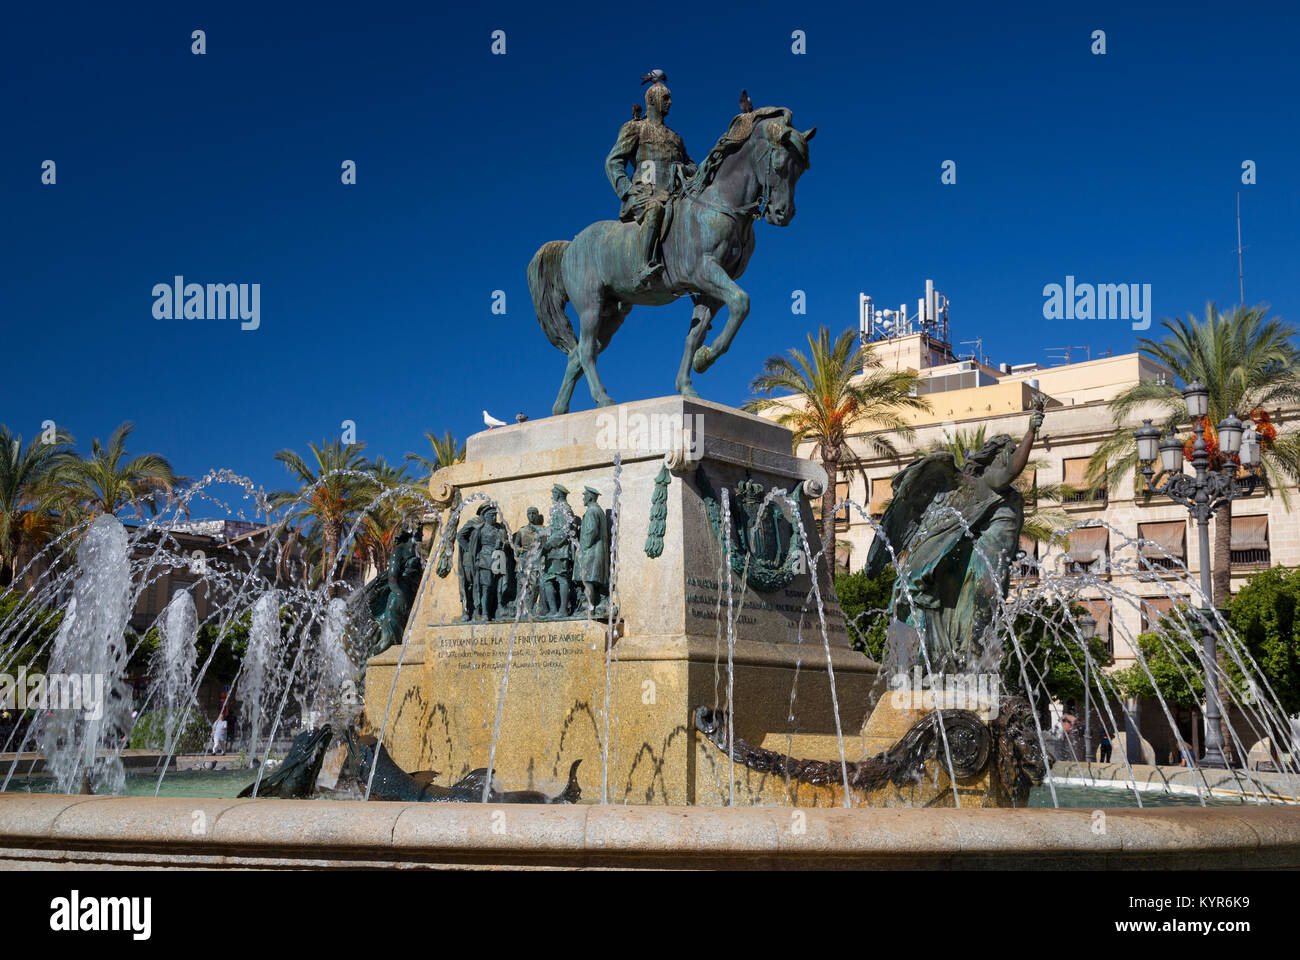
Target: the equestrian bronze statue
(687, 230)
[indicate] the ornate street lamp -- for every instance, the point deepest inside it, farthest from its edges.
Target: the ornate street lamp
(1249, 455)
(1202, 494)
(1197, 396)
(1148, 438)
(1087, 630)
(1171, 454)
(1230, 434)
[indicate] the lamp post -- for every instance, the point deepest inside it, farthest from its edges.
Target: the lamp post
(1202, 494)
(1087, 630)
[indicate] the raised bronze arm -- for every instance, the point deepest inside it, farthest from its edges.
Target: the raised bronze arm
(1000, 479)
(1021, 458)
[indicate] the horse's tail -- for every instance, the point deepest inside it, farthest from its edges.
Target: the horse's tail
(546, 284)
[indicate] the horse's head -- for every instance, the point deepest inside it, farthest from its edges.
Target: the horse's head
(778, 164)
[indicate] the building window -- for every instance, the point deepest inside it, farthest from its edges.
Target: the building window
(842, 515)
(882, 492)
(1075, 473)
(1168, 547)
(1088, 551)
(1025, 563)
(1099, 610)
(1249, 544)
(1153, 610)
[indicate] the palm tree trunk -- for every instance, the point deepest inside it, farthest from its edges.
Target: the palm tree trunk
(1221, 572)
(333, 533)
(831, 464)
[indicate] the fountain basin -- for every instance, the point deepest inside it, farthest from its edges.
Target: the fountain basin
(62, 832)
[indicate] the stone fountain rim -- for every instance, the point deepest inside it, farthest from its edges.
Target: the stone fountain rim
(137, 832)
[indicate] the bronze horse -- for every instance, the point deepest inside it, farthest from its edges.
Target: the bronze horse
(751, 172)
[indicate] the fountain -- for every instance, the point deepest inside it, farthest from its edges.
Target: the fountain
(90, 649)
(674, 642)
(173, 667)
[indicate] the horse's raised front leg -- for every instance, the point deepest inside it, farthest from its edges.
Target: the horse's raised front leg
(701, 318)
(715, 282)
(571, 374)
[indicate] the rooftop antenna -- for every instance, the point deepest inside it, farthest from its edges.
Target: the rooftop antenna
(978, 343)
(1065, 352)
(1241, 275)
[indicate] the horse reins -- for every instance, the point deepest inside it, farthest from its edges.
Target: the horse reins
(754, 209)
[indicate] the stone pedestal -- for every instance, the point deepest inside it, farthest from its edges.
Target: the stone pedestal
(668, 651)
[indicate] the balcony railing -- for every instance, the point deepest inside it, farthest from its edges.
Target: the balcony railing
(1084, 496)
(1077, 568)
(1255, 557)
(1160, 564)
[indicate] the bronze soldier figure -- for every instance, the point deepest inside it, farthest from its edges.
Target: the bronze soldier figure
(557, 577)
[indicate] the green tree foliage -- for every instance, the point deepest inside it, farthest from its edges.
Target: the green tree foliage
(29, 497)
(111, 479)
(865, 602)
(446, 451)
(149, 732)
(32, 626)
(1051, 657)
(1265, 616)
(332, 489)
(1173, 661)
(1265, 613)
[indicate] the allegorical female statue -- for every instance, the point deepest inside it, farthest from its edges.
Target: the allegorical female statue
(954, 531)
(393, 592)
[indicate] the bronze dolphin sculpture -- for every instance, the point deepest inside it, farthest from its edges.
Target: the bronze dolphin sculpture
(391, 782)
(297, 773)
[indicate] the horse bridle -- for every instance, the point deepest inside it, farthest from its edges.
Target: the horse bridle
(754, 209)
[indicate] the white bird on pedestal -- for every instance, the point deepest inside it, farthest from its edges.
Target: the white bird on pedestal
(492, 421)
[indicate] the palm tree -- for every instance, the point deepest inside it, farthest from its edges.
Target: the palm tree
(29, 497)
(332, 489)
(835, 388)
(1041, 525)
(446, 451)
(1248, 363)
(391, 503)
(104, 483)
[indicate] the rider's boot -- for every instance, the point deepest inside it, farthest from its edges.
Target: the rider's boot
(650, 248)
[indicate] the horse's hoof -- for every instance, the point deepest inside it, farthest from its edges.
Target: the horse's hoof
(559, 408)
(688, 391)
(702, 360)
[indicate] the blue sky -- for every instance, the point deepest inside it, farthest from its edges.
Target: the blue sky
(376, 298)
